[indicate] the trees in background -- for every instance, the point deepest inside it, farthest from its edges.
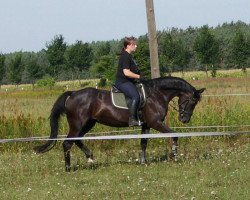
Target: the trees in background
(55, 54)
(142, 56)
(15, 69)
(104, 61)
(206, 48)
(105, 67)
(34, 69)
(240, 50)
(78, 59)
(100, 49)
(2, 68)
(223, 47)
(174, 55)
(183, 57)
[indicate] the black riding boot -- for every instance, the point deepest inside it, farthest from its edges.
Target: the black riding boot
(133, 114)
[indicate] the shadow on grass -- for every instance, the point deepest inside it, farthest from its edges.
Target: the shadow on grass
(150, 161)
(96, 165)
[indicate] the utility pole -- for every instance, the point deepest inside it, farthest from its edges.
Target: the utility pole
(152, 37)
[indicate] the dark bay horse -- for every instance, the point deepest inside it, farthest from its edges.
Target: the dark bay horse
(85, 107)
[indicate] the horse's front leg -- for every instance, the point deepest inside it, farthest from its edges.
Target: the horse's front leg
(160, 126)
(173, 154)
(144, 142)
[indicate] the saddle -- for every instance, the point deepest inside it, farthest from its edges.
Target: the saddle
(119, 100)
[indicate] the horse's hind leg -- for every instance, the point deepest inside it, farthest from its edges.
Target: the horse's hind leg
(67, 144)
(87, 152)
(75, 128)
(87, 127)
(144, 142)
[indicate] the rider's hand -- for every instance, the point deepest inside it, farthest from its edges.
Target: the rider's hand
(143, 79)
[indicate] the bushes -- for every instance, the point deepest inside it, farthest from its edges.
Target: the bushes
(47, 82)
(102, 83)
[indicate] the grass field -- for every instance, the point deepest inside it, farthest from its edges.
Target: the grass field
(214, 169)
(207, 167)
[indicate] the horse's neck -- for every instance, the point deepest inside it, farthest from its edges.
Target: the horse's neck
(167, 95)
(170, 83)
(170, 94)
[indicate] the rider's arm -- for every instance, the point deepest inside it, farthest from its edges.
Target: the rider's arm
(130, 74)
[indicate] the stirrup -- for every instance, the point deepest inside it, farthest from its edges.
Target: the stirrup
(134, 122)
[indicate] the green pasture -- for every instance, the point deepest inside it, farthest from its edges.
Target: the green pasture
(199, 75)
(214, 170)
(207, 167)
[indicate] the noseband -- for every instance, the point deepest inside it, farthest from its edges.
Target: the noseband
(183, 111)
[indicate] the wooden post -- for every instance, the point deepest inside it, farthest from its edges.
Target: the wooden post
(152, 37)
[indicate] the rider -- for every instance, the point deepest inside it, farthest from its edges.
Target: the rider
(126, 75)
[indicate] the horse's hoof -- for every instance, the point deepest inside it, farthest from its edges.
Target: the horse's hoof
(143, 161)
(76, 167)
(173, 156)
(67, 169)
(90, 160)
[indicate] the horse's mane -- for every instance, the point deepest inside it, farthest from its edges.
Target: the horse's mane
(170, 83)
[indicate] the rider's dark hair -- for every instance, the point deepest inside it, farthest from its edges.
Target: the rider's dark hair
(127, 41)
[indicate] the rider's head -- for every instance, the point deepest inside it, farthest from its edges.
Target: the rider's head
(129, 44)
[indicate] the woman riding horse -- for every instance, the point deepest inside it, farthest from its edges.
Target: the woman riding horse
(85, 107)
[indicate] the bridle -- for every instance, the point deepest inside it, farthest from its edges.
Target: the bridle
(183, 111)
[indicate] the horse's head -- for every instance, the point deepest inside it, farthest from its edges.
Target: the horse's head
(187, 102)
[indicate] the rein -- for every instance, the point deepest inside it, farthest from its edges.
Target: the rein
(182, 110)
(174, 106)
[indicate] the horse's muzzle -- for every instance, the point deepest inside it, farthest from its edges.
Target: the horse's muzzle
(184, 119)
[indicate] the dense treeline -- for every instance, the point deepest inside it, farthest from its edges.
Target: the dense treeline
(206, 48)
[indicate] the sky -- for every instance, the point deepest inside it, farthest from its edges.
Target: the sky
(28, 25)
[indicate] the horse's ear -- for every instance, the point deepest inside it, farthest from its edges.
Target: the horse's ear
(201, 90)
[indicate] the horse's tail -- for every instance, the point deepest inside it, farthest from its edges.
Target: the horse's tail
(57, 110)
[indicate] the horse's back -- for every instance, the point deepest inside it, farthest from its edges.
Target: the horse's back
(90, 92)
(86, 96)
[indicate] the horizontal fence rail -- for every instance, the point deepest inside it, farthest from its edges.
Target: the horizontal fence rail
(132, 136)
(221, 95)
